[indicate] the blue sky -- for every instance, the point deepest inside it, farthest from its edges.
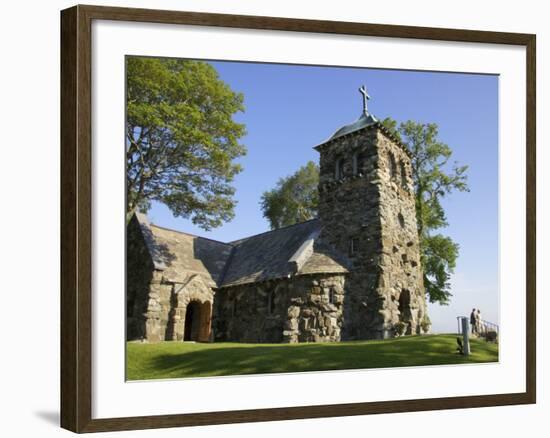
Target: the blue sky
(290, 109)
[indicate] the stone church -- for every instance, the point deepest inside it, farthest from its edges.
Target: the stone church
(352, 273)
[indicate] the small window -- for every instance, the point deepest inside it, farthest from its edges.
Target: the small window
(339, 168)
(393, 165)
(358, 162)
(332, 296)
(401, 220)
(353, 245)
(403, 175)
(234, 307)
(270, 302)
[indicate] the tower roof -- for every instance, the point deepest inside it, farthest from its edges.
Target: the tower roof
(365, 119)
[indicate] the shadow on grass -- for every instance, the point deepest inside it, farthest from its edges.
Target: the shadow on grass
(173, 360)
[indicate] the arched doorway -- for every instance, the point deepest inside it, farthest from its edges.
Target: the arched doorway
(405, 308)
(404, 301)
(192, 321)
(197, 321)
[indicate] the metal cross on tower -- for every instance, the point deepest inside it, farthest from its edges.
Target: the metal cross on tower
(366, 97)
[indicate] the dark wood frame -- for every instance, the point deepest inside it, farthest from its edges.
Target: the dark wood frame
(76, 225)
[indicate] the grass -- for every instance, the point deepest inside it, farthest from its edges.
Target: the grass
(179, 359)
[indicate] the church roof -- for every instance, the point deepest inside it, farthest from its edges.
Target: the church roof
(281, 253)
(180, 254)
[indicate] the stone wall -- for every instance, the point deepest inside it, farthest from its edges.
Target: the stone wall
(159, 305)
(401, 283)
(166, 313)
(362, 206)
(139, 273)
(305, 308)
(349, 207)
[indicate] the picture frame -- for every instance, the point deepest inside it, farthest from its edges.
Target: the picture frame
(77, 168)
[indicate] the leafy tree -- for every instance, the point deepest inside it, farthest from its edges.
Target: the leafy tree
(294, 199)
(181, 139)
(433, 179)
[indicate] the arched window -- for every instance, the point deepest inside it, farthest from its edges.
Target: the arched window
(404, 183)
(339, 168)
(332, 296)
(405, 305)
(392, 165)
(358, 163)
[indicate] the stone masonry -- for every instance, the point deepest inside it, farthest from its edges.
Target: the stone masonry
(307, 308)
(367, 210)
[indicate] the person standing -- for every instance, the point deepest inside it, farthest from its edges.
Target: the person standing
(473, 321)
(479, 325)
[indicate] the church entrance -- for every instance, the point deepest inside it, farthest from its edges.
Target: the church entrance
(197, 322)
(192, 318)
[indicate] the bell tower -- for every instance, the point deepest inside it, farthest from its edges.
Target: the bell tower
(367, 212)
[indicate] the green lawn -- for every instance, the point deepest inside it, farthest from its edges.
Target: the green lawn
(179, 359)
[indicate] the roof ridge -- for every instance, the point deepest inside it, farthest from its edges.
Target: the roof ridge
(189, 234)
(238, 241)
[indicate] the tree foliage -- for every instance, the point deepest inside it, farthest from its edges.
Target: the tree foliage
(181, 139)
(294, 199)
(434, 178)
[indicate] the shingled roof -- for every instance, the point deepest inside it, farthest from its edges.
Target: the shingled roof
(280, 253)
(180, 254)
